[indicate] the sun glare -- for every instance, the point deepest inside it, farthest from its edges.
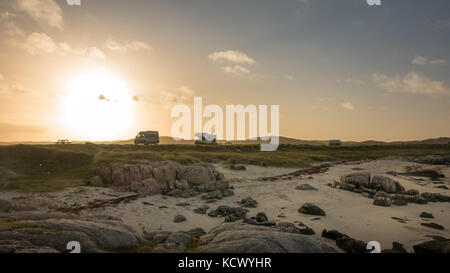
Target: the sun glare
(97, 106)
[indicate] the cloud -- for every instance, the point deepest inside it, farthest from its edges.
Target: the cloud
(127, 46)
(352, 81)
(420, 60)
(288, 77)
(439, 62)
(411, 83)
(233, 56)
(182, 94)
(236, 70)
(41, 43)
(348, 106)
(45, 12)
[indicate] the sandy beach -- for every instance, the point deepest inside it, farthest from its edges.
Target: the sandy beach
(346, 211)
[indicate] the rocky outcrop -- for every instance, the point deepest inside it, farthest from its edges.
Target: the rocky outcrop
(243, 238)
(439, 245)
(367, 181)
(166, 177)
(50, 232)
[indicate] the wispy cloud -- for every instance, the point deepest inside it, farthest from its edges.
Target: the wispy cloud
(288, 77)
(41, 43)
(46, 12)
(348, 106)
(236, 70)
(127, 45)
(233, 56)
(411, 83)
(420, 60)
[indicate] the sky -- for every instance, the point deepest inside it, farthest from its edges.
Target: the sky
(105, 70)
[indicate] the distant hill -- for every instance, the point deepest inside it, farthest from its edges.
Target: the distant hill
(166, 140)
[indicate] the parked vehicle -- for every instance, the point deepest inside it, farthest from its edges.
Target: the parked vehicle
(335, 142)
(205, 138)
(147, 137)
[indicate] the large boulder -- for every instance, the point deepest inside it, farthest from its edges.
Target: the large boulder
(50, 232)
(357, 179)
(164, 177)
(386, 184)
(367, 181)
(244, 238)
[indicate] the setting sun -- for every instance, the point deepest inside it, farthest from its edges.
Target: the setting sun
(97, 106)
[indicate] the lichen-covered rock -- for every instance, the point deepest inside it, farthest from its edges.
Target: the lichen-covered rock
(357, 179)
(166, 177)
(364, 181)
(244, 238)
(46, 232)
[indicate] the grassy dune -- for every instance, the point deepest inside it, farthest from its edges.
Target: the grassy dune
(55, 167)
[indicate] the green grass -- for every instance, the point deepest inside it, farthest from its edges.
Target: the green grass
(55, 167)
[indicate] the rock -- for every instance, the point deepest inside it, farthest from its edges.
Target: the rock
(385, 184)
(433, 174)
(183, 204)
(165, 177)
(332, 234)
(214, 195)
(346, 187)
(201, 210)
(434, 246)
(435, 197)
(231, 214)
(307, 231)
(243, 238)
(252, 221)
(305, 187)
(227, 192)
(95, 181)
(426, 215)
(311, 209)
(412, 192)
(400, 203)
(261, 217)
(351, 245)
(6, 174)
(287, 227)
(382, 201)
(434, 160)
(5, 205)
(179, 218)
(396, 248)
(213, 213)
(357, 179)
(433, 225)
(442, 187)
(248, 203)
(180, 238)
(196, 232)
(52, 231)
(366, 181)
(335, 184)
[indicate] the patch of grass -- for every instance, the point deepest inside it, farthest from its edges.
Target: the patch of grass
(55, 167)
